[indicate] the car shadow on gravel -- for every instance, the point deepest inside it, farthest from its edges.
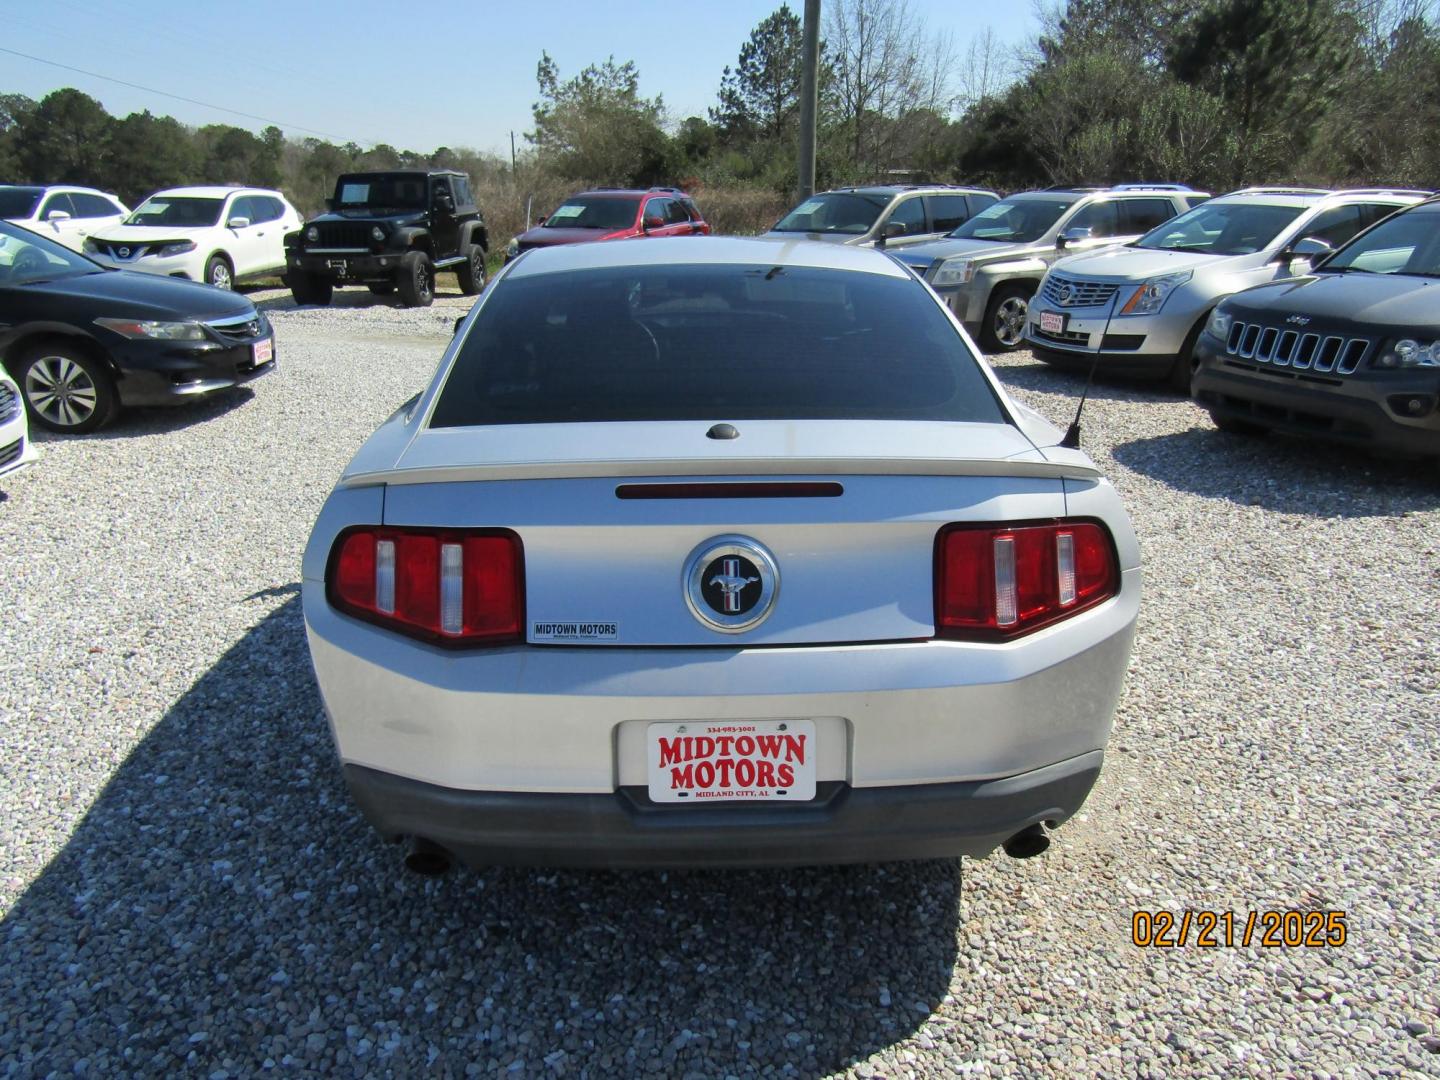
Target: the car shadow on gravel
(345, 298)
(1290, 475)
(221, 905)
(137, 421)
(1042, 377)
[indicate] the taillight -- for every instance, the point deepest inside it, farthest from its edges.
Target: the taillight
(1001, 581)
(447, 585)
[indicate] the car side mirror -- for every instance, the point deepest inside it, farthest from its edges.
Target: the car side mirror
(238, 222)
(58, 215)
(446, 203)
(458, 323)
(894, 229)
(329, 204)
(1073, 236)
(1310, 249)
(541, 220)
(654, 221)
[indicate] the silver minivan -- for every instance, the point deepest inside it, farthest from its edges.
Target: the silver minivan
(1142, 306)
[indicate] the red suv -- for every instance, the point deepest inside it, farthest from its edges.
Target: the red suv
(614, 214)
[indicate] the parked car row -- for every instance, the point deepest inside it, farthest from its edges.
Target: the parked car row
(218, 235)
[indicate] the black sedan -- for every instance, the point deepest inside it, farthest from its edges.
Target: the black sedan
(83, 341)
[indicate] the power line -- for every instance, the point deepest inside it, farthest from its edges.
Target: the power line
(177, 97)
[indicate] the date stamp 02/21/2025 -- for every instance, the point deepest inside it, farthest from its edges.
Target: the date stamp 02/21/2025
(1274, 929)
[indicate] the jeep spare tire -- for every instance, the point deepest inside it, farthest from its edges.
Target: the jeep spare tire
(416, 280)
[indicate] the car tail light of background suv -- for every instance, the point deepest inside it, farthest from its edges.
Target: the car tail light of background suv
(995, 582)
(449, 586)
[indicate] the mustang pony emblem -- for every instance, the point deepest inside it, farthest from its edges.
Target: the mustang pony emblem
(732, 583)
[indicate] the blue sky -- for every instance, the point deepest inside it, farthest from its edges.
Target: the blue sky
(414, 75)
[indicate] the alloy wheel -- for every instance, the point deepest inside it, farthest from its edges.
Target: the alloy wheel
(61, 391)
(220, 275)
(1010, 321)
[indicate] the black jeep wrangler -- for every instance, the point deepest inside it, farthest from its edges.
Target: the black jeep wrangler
(390, 231)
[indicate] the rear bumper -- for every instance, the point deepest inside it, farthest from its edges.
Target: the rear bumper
(624, 829)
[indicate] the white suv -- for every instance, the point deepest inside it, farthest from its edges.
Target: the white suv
(66, 215)
(219, 235)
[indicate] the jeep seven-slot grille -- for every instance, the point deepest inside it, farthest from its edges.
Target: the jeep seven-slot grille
(9, 403)
(1326, 353)
(1069, 292)
(342, 234)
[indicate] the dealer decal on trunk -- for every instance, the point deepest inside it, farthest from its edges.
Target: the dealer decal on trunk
(574, 631)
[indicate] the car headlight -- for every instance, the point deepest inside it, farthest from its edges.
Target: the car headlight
(180, 247)
(1151, 295)
(148, 330)
(377, 234)
(90, 246)
(1219, 324)
(956, 271)
(312, 234)
(513, 248)
(1409, 353)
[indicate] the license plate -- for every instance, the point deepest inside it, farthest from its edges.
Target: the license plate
(336, 264)
(262, 352)
(1053, 322)
(732, 760)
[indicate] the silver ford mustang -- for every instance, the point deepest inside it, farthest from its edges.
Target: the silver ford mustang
(717, 552)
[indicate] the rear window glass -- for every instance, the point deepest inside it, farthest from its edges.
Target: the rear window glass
(712, 343)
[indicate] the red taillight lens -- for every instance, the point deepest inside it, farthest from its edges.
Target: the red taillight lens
(446, 585)
(1000, 581)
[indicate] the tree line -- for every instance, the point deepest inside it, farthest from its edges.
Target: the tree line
(1214, 93)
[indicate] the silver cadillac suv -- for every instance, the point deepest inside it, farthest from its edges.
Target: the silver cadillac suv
(1144, 305)
(989, 267)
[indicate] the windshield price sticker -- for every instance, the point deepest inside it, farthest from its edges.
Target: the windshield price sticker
(734, 759)
(574, 631)
(567, 212)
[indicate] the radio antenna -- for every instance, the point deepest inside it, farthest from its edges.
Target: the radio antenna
(1071, 441)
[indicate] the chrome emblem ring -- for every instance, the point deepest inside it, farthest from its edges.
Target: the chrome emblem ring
(731, 583)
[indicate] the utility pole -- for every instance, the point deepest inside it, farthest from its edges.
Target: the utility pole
(809, 89)
(512, 153)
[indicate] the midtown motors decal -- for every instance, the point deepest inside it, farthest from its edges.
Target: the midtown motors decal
(574, 631)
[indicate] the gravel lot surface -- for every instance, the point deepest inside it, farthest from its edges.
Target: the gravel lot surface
(186, 889)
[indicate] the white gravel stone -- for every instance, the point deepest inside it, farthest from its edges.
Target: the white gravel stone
(185, 886)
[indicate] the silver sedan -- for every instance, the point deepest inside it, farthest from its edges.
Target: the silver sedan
(717, 552)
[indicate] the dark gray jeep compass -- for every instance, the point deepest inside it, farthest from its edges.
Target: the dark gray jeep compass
(1349, 352)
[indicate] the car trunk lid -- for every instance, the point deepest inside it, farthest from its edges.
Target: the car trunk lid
(612, 518)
